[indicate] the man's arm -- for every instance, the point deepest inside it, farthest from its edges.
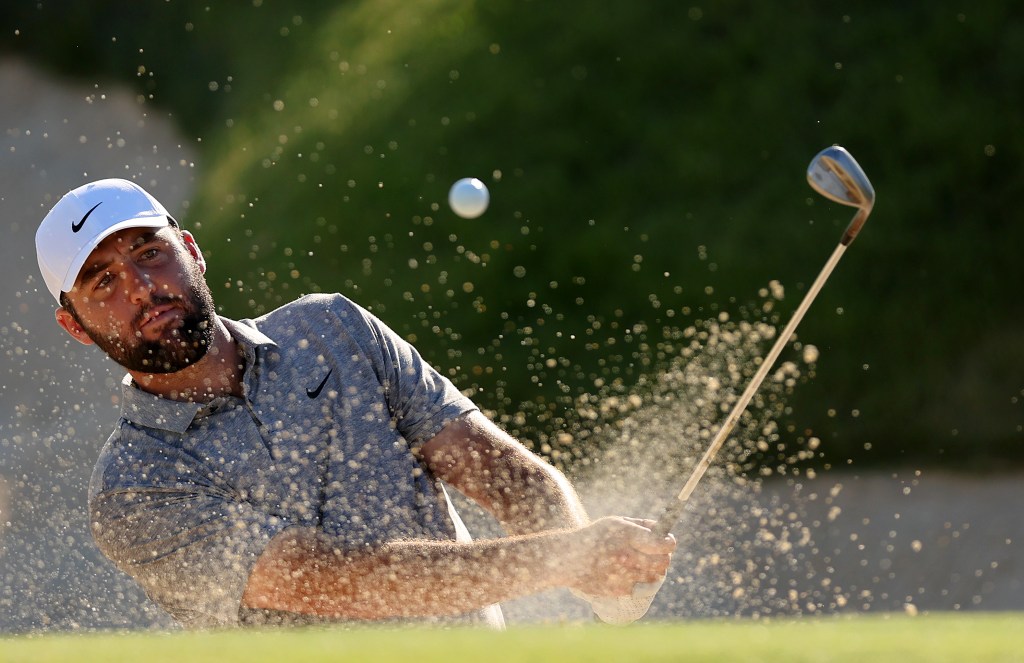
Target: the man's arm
(527, 495)
(524, 493)
(551, 544)
(301, 571)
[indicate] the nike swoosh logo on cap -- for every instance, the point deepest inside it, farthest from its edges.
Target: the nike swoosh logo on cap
(313, 393)
(75, 227)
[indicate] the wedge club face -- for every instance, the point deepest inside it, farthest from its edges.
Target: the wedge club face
(835, 174)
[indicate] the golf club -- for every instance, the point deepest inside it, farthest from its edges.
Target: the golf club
(836, 175)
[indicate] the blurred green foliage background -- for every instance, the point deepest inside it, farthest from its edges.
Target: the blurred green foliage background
(646, 166)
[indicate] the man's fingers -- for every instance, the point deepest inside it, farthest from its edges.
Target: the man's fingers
(633, 560)
(624, 554)
(643, 539)
(643, 528)
(653, 576)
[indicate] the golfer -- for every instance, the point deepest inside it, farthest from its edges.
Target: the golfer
(289, 468)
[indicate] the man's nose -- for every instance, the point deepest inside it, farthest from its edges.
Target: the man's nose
(139, 284)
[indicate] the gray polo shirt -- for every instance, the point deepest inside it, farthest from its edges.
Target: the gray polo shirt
(186, 496)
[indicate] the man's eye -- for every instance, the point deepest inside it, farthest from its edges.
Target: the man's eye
(149, 254)
(105, 280)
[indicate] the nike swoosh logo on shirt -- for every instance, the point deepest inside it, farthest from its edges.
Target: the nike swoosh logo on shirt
(313, 393)
(75, 227)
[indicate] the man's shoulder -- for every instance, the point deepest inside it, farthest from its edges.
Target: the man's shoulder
(311, 302)
(317, 312)
(307, 307)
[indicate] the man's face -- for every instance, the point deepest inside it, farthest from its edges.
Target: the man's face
(142, 299)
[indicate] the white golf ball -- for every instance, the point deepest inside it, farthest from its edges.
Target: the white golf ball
(469, 197)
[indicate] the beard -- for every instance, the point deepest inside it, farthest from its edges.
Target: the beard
(175, 349)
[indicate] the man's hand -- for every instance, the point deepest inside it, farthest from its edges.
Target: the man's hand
(613, 554)
(622, 568)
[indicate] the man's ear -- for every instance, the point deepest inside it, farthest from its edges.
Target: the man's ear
(71, 326)
(193, 248)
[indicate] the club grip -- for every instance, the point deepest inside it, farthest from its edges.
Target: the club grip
(669, 518)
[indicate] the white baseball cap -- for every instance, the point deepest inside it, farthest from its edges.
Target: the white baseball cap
(83, 218)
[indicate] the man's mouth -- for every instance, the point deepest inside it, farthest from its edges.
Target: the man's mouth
(159, 316)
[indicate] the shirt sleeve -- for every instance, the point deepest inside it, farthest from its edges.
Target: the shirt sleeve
(422, 400)
(188, 544)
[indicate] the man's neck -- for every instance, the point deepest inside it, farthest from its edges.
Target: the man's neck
(218, 373)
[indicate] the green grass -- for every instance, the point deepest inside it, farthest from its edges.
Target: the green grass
(975, 637)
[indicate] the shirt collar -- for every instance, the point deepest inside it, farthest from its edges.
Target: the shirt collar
(145, 409)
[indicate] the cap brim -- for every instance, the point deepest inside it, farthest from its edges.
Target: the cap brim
(150, 221)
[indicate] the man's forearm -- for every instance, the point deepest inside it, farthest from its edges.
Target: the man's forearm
(520, 490)
(302, 572)
(544, 500)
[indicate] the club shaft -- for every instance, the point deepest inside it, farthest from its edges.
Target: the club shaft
(674, 510)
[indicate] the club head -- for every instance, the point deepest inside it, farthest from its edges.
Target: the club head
(835, 174)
